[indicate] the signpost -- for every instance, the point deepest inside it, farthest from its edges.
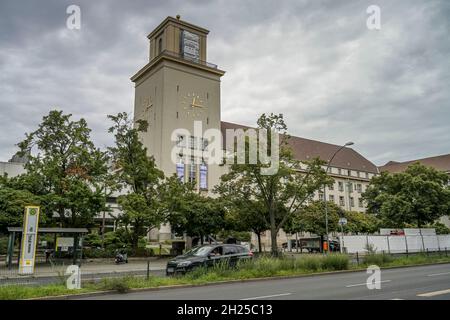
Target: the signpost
(64, 243)
(29, 240)
(342, 223)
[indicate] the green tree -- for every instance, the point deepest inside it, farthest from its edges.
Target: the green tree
(12, 206)
(68, 172)
(198, 216)
(418, 195)
(247, 216)
(361, 222)
(282, 193)
(136, 173)
(312, 219)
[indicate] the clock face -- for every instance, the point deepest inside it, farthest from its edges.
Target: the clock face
(193, 104)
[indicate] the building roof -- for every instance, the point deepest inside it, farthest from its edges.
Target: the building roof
(441, 163)
(307, 149)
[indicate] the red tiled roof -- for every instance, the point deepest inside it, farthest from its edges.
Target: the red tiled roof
(306, 149)
(441, 163)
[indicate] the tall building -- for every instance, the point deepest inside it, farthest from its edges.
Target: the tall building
(178, 87)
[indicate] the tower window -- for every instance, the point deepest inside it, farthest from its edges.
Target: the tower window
(203, 176)
(193, 171)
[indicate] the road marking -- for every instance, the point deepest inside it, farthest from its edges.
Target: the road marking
(434, 293)
(397, 299)
(271, 296)
(364, 284)
(438, 274)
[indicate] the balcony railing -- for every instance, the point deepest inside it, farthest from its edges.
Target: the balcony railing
(181, 56)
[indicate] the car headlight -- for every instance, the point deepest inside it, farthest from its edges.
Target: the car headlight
(183, 264)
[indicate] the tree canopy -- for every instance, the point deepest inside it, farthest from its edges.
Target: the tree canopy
(419, 195)
(64, 169)
(280, 194)
(137, 176)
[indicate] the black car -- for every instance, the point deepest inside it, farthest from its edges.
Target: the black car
(207, 256)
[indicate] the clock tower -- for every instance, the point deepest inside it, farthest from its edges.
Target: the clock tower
(176, 88)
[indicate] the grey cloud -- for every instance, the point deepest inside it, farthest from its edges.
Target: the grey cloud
(313, 61)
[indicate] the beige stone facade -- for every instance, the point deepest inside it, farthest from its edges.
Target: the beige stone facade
(178, 87)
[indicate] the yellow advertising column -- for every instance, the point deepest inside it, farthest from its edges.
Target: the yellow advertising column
(29, 240)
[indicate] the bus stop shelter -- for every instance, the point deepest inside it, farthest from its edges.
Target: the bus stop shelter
(77, 233)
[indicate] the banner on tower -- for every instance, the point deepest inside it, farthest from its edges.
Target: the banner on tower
(190, 45)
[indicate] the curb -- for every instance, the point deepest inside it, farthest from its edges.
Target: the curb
(182, 286)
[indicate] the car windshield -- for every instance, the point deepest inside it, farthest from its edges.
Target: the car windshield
(199, 251)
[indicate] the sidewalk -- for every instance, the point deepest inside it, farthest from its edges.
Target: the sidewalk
(91, 267)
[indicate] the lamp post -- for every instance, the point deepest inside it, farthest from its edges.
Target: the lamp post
(325, 195)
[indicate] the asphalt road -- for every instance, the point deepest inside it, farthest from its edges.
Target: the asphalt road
(425, 282)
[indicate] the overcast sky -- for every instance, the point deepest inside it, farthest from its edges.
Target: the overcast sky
(314, 61)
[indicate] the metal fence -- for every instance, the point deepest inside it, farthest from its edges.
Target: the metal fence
(396, 243)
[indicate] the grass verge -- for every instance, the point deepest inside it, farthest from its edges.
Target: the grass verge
(263, 267)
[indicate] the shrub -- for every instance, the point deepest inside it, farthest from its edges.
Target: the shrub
(92, 240)
(310, 263)
(3, 245)
(120, 285)
(98, 253)
(377, 259)
(335, 262)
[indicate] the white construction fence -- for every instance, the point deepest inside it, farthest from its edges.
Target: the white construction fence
(409, 242)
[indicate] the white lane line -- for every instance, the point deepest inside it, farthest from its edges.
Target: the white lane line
(434, 293)
(397, 299)
(271, 296)
(438, 274)
(364, 284)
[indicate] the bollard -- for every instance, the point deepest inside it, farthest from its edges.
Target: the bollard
(428, 254)
(357, 258)
(148, 269)
(446, 252)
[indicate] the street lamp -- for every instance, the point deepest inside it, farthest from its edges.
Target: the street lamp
(324, 192)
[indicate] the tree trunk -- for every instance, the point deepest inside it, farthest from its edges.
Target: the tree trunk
(273, 230)
(135, 241)
(259, 242)
(273, 237)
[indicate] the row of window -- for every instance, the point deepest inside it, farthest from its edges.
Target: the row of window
(193, 173)
(194, 142)
(349, 173)
(331, 198)
(350, 186)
